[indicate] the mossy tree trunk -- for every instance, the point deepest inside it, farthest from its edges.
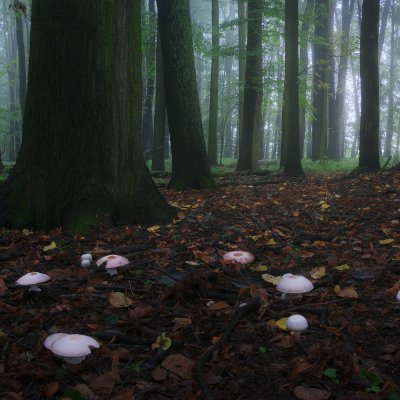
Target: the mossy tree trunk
(369, 74)
(160, 113)
(213, 113)
(253, 90)
(80, 163)
(320, 81)
(290, 125)
(190, 167)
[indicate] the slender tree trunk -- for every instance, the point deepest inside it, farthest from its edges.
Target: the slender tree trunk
(291, 132)
(369, 73)
(160, 114)
(242, 66)
(332, 152)
(147, 128)
(19, 33)
(213, 113)
(304, 40)
(392, 79)
(356, 125)
(320, 81)
(80, 163)
(248, 154)
(339, 121)
(384, 17)
(190, 167)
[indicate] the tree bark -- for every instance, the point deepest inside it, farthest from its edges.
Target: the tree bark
(291, 131)
(320, 84)
(80, 162)
(213, 112)
(190, 167)
(248, 146)
(369, 74)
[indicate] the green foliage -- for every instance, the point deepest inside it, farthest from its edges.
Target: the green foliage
(72, 395)
(331, 373)
(134, 367)
(374, 380)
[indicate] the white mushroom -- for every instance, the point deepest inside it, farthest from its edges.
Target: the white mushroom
(297, 324)
(242, 257)
(87, 256)
(32, 279)
(85, 263)
(398, 296)
(112, 262)
(292, 286)
(72, 348)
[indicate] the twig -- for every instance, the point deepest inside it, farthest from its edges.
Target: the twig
(199, 366)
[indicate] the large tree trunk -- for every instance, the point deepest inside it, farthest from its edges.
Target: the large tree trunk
(160, 113)
(320, 89)
(190, 167)
(291, 132)
(213, 113)
(147, 128)
(253, 90)
(369, 73)
(339, 121)
(80, 163)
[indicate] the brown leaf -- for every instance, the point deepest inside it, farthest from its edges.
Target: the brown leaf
(217, 306)
(118, 299)
(50, 389)
(85, 392)
(305, 393)
(3, 287)
(159, 373)
(103, 385)
(179, 365)
(140, 311)
(124, 394)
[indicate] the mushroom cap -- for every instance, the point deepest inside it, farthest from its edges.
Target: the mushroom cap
(297, 323)
(242, 257)
(48, 343)
(398, 296)
(294, 284)
(33, 278)
(112, 261)
(73, 345)
(87, 256)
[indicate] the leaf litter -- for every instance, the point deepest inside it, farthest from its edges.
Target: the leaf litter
(178, 323)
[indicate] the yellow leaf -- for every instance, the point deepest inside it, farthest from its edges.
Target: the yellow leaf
(386, 241)
(318, 272)
(153, 228)
(295, 213)
(163, 342)
(181, 215)
(325, 206)
(261, 268)
(346, 292)
(118, 299)
(51, 246)
(282, 323)
(271, 278)
(343, 267)
(26, 232)
(271, 242)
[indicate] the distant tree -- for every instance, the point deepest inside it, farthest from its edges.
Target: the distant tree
(160, 113)
(320, 81)
(213, 114)
(150, 54)
(253, 89)
(80, 163)
(337, 128)
(190, 167)
(290, 131)
(369, 73)
(382, 31)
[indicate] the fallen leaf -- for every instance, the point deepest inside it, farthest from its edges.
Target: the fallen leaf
(181, 215)
(178, 365)
(153, 228)
(103, 385)
(271, 278)
(295, 213)
(282, 323)
(51, 246)
(261, 268)
(140, 311)
(162, 342)
(217, 305)
(118, 299)
(3, 287)
(349, 292)
(386, 241)
(343, 267)
(50, 389)
(26, 232)
(305, 393)
(159, 373)
(271, 242)
(318, 272)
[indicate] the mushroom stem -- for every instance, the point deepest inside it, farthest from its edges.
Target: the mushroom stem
(74, 360)
(34, 288)
(112, 271)
(296, 335)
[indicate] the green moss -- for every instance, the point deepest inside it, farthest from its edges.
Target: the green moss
(82, 224)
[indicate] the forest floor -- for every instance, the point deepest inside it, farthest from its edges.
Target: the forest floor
(178, 323)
